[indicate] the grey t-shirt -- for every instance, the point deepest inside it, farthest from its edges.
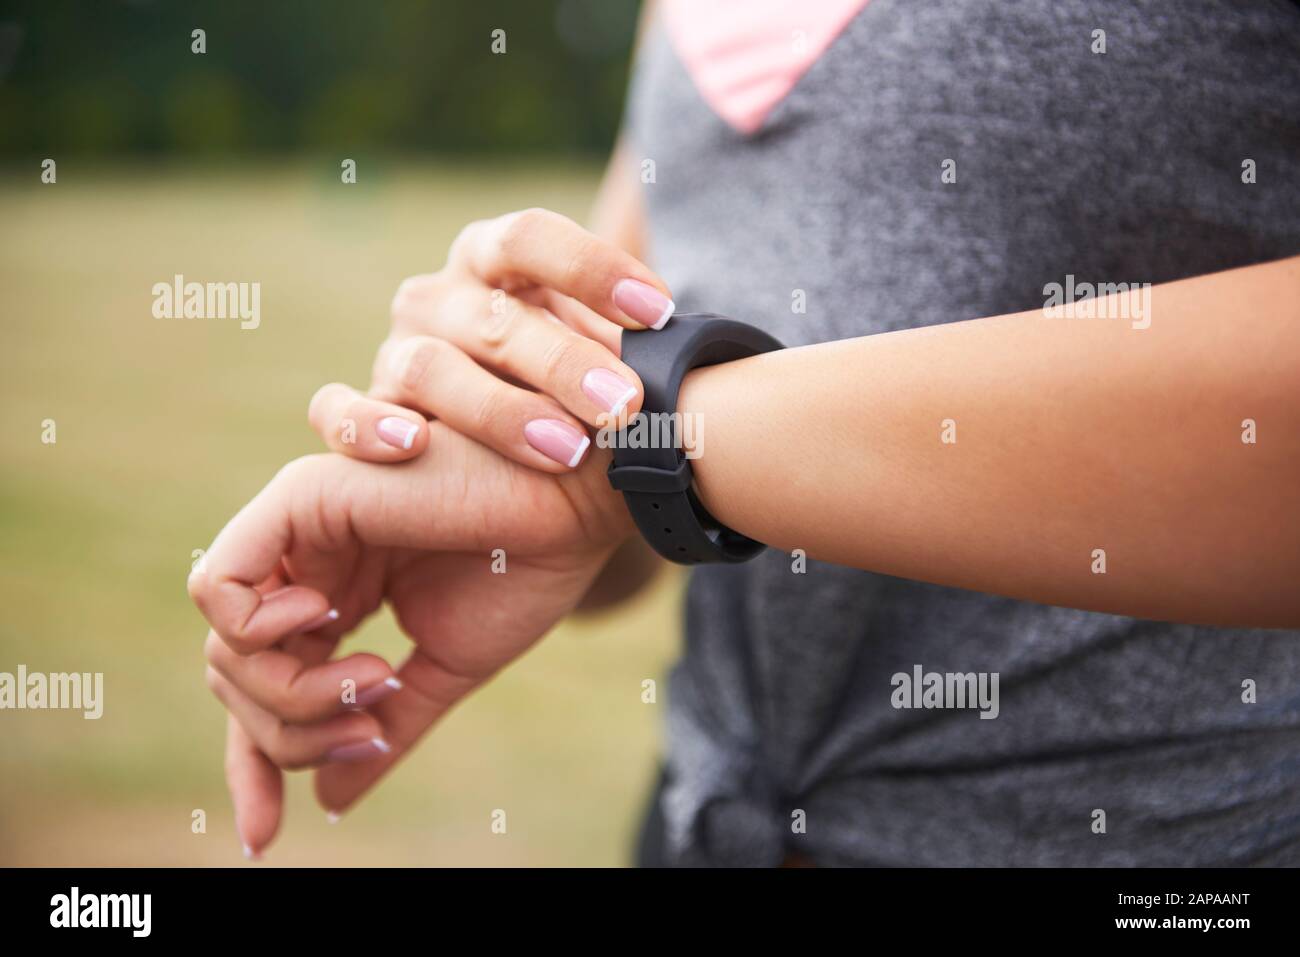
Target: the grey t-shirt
(1122, 166)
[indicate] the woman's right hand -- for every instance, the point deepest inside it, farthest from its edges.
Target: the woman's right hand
(477, 556)
(528, 298)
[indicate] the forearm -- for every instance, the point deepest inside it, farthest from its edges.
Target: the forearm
(1071, 436)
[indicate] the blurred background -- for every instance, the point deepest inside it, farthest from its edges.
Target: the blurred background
(225, 166)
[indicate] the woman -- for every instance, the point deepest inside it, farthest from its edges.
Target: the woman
(990, 497)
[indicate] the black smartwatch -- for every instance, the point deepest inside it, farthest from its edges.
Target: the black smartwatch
(650, 467)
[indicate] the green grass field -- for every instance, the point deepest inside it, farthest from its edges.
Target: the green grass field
(164, 428)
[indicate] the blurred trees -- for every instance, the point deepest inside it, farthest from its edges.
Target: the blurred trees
(118, 76)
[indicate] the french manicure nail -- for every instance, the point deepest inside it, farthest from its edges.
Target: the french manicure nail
(377, 693)
(333, 817)
(321, 622)
(609, 391)
(361, 751)
(646, 304)
(557, 440)
(251, 854)
(397, 432)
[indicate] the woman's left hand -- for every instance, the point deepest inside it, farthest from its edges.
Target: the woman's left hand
(514, 343)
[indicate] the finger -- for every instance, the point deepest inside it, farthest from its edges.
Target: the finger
(436, 377)
(542, 248)
(296, 692)
(527, 344)
(351, 736)
(256, 790)
(246, 552)
(428, 692)
(577, 317)
(365, 428)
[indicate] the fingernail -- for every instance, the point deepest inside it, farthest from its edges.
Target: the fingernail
(333, 817)
(321, 622)
(377, 693)
(557, 440)
(251, 854)
(397, 432)
(609, 391)
(361, 751)
(646, 304)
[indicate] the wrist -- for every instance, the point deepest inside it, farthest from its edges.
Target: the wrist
(656, 456)
(705, 402)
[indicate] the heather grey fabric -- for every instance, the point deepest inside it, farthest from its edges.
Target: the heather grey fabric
(1117, 167)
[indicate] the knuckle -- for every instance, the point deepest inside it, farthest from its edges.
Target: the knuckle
(321, 402)
(499, 323)
(413, 294)
(212, 678)
(465, 239)
(237, 638)
(296, 470)
(563, 361)
(213, 647)
(298, 481)
(489, 411)
(196, 586)
(587, 266)
(413, 363)
(515, 231)
(381, 369)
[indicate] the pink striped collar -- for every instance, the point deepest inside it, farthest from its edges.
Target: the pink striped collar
(746, 55)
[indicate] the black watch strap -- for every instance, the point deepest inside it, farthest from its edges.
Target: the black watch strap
(655, 476)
